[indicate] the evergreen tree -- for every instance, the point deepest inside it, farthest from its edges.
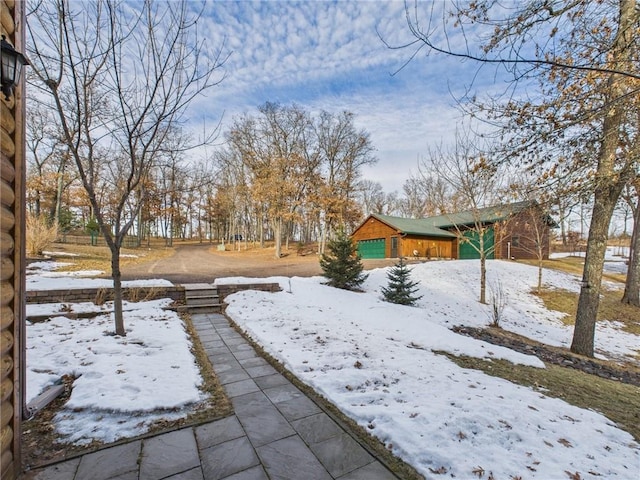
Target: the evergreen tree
(341, 264)
(400, 288)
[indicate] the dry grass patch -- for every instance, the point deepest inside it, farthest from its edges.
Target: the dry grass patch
(39, 233)
(573, 265)
(99, 258)
(617, 401)
(611, 308)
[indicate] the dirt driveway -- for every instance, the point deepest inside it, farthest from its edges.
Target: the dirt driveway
(203, 263)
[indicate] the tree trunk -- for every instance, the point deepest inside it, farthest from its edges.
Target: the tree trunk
(483, 278)
(117, 290)
(278, 234)
(540, 266)
(59, 187)
(632, 285)
(607, 191)
(589, 299)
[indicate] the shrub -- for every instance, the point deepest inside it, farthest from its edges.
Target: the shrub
(498, 301)
(40, 233)
(341, 264)
(400, 288)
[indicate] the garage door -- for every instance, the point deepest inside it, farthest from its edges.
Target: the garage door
(469, 248)
(371, 248)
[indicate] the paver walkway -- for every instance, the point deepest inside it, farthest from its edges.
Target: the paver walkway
(277, 432)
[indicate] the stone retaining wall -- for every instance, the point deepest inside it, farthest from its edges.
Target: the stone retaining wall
(100, 295)
(228, 289)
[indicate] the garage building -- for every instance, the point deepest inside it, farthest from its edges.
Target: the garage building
(509, 231)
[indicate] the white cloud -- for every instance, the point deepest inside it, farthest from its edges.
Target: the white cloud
(329, 55)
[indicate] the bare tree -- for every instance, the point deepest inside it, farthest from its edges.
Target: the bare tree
(343, 151)
(371, 196)
(120, 79)
(534, 222)
(584, 56)
(414, 201)
(475, 183)
(48, 176)
(276, 149)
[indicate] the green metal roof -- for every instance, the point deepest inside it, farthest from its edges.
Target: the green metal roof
(436, 226)
(493, 214)
(414, 226)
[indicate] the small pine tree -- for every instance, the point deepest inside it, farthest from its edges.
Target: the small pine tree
(342, 265)
(400, 288)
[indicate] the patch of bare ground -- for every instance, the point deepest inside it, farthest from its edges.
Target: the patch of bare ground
(42, 445)
(87, 257)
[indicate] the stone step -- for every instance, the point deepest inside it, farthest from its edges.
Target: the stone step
(202, 298)
(202, 292)
(212, 308)
(195, 301)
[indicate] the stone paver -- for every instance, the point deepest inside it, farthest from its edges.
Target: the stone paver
(169, 454)
(341, 454)
(110, 462)
(254, 473)
(286, 459)
(241, 388)
(372, 471)
(316, 428)
(228, 458)
(276, 433)
(265, 425)
(217, 432)
(193, 474)
(250, 361)
(61, 471)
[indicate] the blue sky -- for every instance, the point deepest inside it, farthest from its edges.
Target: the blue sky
(328, 55)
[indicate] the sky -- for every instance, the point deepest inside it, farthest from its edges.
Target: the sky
(329, 56)
(374, 360)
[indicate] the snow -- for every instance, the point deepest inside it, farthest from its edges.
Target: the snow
(378, 363)
(122, 384)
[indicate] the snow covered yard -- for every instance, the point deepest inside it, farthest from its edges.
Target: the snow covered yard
(122, 384)
(377, 362)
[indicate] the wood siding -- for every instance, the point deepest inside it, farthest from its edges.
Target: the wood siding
(373, 229)
(12, 175)
(519, 237)
(427, 247)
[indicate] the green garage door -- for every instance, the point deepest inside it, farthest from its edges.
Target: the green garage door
(371, 248)
(469, 248)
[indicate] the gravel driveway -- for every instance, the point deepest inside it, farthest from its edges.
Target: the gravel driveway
(203, 263)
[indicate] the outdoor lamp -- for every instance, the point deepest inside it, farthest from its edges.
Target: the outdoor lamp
(12, 63)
